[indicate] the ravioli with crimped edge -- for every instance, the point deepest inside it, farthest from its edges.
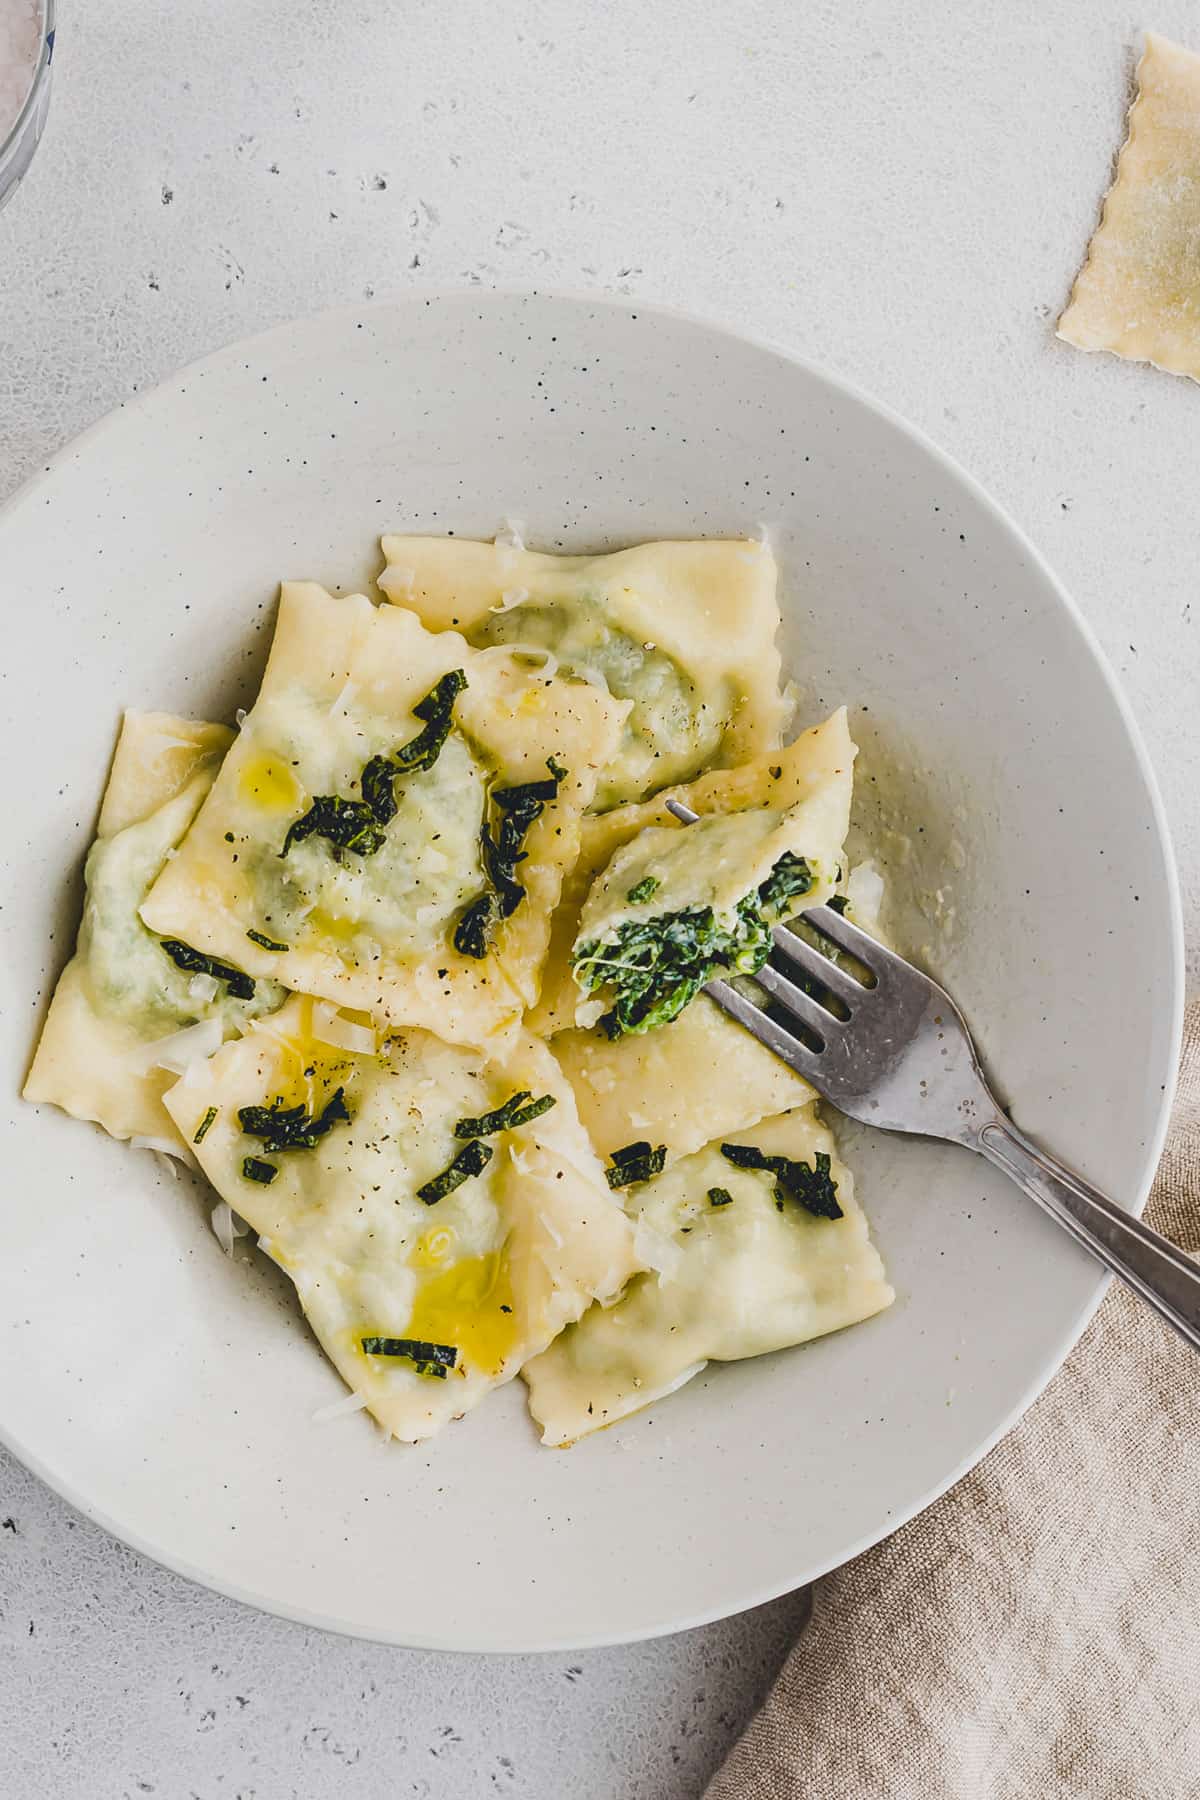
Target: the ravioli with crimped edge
(684, 631)
(354, 844)
(437, 1233)
(132, 1008)
(760, 1245)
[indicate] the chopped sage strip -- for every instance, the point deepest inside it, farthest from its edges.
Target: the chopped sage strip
(258, 937)
(643, 889)
(472, 1159)
(437, 709)
(814, 1188)
(719, 1196)
(255, 1169)
(636, 1162)
(358, 825)
(202, 1128)
(346, 824)
(195, 962)
(837, 903)
(518, 808)
(514, 1112)
(377, 785)
(290, 1127)
(428, 1359)
(474, 928)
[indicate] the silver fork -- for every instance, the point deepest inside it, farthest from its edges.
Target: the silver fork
(902, 1058)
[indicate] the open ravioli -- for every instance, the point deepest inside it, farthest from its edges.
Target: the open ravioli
(685, 631)
(344, 848)
(675, 907)
(749, 1270)
(426, 1285)
(122, 997)
(700, 1074)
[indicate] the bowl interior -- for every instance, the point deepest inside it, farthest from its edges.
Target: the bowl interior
(169, 1394)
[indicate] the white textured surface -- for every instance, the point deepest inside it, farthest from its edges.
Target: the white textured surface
(902, 193)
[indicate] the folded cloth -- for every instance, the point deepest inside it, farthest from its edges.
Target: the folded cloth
(1036, 1632)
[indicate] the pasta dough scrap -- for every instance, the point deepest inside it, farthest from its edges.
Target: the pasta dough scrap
(121, 994)
(1138, 293)
(683, 630)
(665, 1084)
(374, 931)
(744, 1277)
(492, 1270)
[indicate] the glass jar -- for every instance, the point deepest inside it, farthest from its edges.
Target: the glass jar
(16, 150)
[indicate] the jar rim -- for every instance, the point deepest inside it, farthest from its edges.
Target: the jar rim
(37, 79)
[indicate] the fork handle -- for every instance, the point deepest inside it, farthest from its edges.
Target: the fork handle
(1153, 1267)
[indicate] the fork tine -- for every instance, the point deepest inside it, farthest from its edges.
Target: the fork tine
(810, 1012)
(851, 937)
(768, 1031)
(803, 955)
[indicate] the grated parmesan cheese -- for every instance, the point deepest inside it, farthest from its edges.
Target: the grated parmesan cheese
(330, 1026)
(864, 893)
(342, 704)
(509, 598)
(180, 1049)
(656, 1251)
(397, 582)
(339, 1409)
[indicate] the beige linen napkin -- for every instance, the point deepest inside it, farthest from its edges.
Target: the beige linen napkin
(1036, 1632)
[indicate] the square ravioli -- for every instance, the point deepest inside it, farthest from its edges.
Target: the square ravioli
(1138, 294)
(441, 1213)
(391, 827)
(128, 1009)
(660, 1082)
(684, 631)
(745, 1267)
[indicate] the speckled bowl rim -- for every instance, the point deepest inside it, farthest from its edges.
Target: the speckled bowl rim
(239, 350)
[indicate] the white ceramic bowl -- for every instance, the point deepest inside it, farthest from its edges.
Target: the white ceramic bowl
(168, 1394)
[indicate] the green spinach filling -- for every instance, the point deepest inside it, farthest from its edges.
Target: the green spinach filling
(654, 967)
(671, 732)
